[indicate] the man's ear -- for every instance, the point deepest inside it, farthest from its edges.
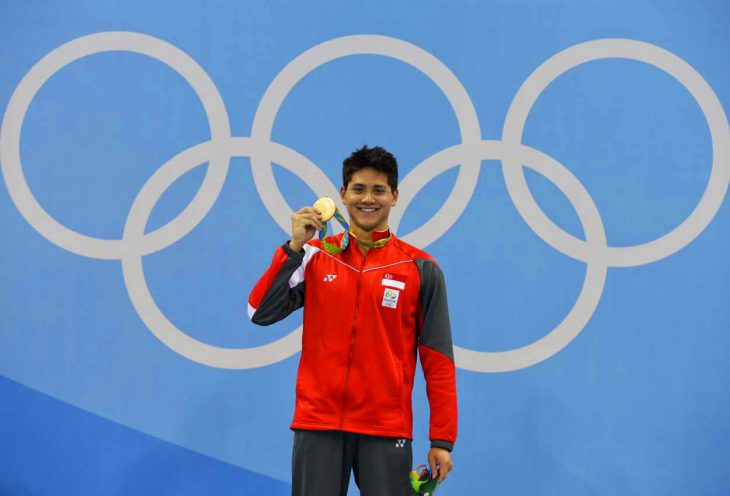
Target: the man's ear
(342, 195)
(395, 198)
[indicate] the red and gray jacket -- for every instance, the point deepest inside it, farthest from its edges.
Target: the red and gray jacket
(365, 318)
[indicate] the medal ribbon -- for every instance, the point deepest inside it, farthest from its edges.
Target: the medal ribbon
(344, 241)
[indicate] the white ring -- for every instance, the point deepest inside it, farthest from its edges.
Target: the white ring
(595, 278)
(12, 168)
(133, 270)
(373, 45)
(576, 55)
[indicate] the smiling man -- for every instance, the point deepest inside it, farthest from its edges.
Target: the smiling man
(370, 306)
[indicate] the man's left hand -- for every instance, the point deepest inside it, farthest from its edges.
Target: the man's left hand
(440, 462)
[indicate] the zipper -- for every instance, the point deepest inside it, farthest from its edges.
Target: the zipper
(352, 341)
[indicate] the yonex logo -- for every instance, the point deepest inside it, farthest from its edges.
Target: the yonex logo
(329, 277)
(469, 155)
(400, 443)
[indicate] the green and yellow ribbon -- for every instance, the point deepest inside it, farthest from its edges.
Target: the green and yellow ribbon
(344, 241)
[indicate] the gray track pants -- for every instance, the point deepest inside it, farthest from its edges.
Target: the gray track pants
(322, 461)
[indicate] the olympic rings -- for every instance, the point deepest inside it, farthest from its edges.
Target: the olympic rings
(468, 156)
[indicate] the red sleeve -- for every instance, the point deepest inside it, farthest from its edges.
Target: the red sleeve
(440, 376)
(437, 354)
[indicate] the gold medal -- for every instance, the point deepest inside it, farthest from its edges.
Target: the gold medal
(328, 209)
(326, 206)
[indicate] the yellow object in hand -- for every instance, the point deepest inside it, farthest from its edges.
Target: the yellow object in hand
(326, 206)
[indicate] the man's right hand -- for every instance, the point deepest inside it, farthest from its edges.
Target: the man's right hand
(304, 224)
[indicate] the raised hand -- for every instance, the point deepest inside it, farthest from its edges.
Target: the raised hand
(304, 223)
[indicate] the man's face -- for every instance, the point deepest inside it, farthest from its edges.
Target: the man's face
(368, 199)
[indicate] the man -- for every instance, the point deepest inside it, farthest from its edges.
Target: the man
(369, 306)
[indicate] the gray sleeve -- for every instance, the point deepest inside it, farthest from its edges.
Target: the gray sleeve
(435, 331)
(442, 444)
(281, 299)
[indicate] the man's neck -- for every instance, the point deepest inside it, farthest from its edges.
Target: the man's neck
(368, 237)
(361, 234)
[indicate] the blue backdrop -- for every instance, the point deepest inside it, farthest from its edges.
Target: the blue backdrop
(588, 287)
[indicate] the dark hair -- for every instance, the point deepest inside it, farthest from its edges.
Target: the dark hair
(376, 158)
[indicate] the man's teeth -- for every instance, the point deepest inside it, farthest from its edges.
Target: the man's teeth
(367, 209)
